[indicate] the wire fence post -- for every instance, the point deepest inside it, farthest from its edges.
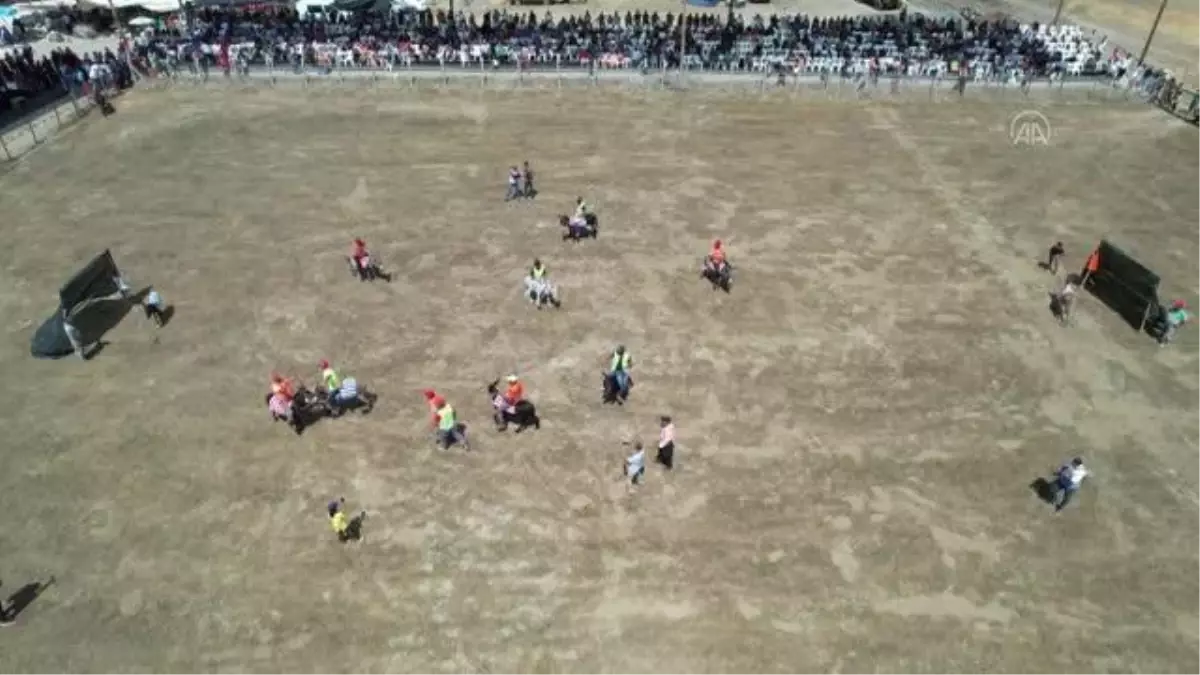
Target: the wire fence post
(33, 132)
(558, 69)
(4, 145)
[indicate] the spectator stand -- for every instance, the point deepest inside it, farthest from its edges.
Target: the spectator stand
(865, 56)
(910, 44)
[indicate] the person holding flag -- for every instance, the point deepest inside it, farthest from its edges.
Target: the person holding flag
(1177, 316)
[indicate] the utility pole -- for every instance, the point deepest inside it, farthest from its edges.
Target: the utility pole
(683, 39)
(1058, 12)
(1157, 18)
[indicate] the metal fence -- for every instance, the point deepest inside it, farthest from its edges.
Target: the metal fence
(35, 128)
(803, 85)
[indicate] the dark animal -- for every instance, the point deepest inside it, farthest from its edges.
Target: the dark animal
(575, 233)
(722, 279)
(612, 392)
(524, 413)
(307, 408)
(370, 272)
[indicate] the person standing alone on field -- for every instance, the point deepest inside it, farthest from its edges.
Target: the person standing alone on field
(666, 442)
(635, 464)
(1067, 482)
(155, 309)
(1057, 251)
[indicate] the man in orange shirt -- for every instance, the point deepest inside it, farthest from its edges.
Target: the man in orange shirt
(358, 254)
(282, 387)
(716, 257)
(515, 392)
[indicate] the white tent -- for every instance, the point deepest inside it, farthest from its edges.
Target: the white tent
(155, 6)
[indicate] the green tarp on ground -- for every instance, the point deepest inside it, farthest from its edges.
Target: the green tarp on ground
(1123, 284)
(90, 300)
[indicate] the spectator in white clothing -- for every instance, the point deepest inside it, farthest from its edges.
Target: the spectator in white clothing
(155, 309)
(635, 464)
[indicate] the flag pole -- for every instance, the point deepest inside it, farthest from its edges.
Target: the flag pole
(115, 18)
(682, 38)
(1153, 30)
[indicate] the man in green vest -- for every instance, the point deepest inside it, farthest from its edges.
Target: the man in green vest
(329, 377)
(1177, 316)
(538, 271)
(447, 423)
(618, 368)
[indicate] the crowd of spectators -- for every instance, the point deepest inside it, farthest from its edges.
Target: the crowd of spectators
(903, 43)
(28, 81)
(278, 37)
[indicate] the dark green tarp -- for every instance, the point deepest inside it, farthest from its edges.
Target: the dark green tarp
(1124, 285)
(90, 300)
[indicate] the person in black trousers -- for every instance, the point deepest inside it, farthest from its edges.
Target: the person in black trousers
(1054, 256)
(666, 442)
(528, 190)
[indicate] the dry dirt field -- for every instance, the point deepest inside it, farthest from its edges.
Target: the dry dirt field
(859, 420)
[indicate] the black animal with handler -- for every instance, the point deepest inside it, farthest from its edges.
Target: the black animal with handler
(579, 227)
(522, 413)
(364, 265)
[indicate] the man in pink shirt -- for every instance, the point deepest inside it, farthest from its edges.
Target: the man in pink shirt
(666, 442)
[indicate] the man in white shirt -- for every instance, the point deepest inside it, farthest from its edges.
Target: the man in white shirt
(345, 396)
(154, 308)
(635, 464)
(514, 184)
(1070, 477)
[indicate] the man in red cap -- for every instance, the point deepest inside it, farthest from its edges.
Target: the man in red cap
(716, 258)
(432, 399)
(361, 258)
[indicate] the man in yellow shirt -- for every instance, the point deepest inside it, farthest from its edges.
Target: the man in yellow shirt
(345, 529)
